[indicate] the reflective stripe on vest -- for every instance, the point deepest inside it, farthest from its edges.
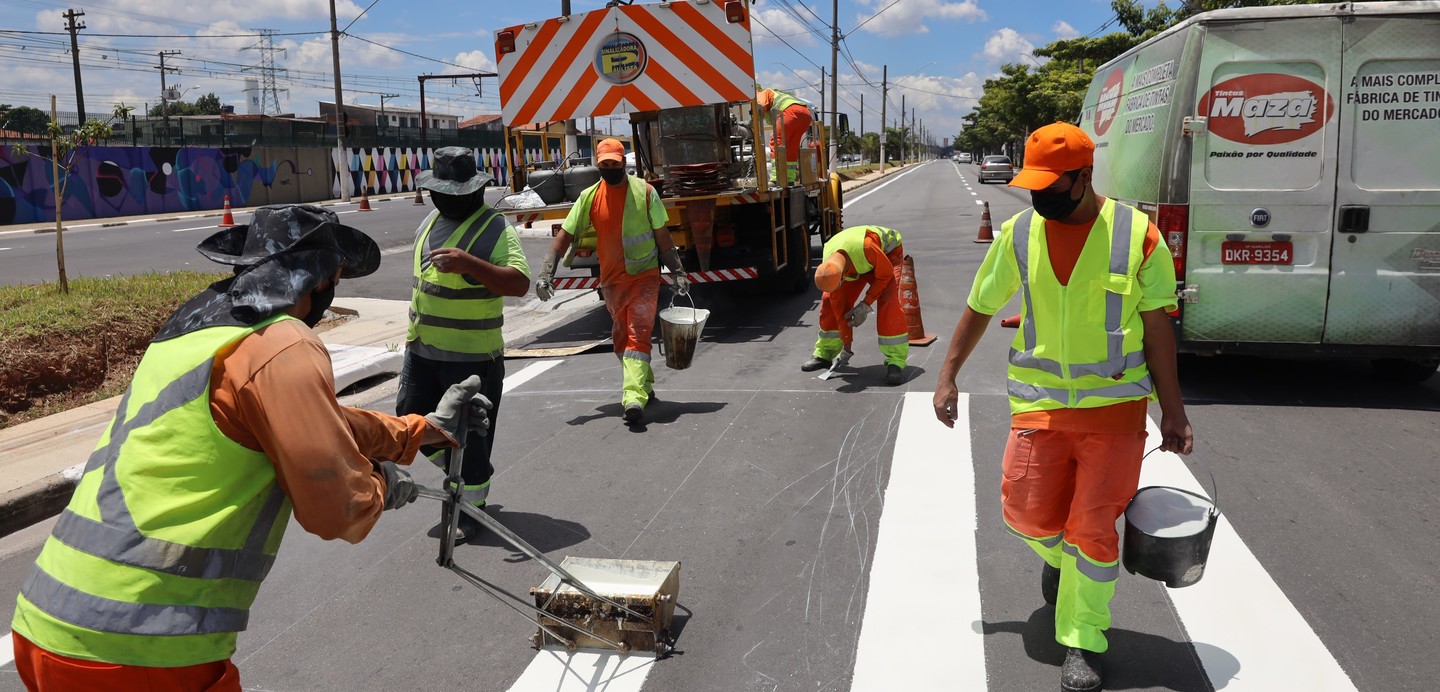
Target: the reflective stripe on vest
(637, 238)
(83, 597)
(784, 100)
(1126, 233)
(452, 319)
(852, 242)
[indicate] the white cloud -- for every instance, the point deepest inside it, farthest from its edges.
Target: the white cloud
(782, 23)
(1063, 29)
(1006, 45)
(914, 16)
(476, 60)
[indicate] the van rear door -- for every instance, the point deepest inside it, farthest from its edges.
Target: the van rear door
(1385, 259)
(1262, 192)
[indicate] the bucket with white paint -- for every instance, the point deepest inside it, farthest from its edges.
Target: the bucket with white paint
(1167, 535)
(680, 329)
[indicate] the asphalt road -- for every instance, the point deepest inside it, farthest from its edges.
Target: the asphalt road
(770, 485)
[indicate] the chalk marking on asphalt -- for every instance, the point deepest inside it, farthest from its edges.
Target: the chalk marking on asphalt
(931, 493)
(7, 650)
(867, 193)
(584, 671)
(1248, 635)
(528, 373)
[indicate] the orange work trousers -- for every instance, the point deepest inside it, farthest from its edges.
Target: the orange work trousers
(43, 671)
(794, 120)
(889, 316)
(632, 307)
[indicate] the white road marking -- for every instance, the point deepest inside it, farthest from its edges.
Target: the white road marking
(584, 671)
(7, 650)
(1247, 634)
(978, 201)
(881, 186)
(23, 230)
(211, 227)
(528, 373)
(974, 193)
(931, 493)
(2, 249)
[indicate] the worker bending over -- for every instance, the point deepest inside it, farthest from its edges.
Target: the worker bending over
(868, 259)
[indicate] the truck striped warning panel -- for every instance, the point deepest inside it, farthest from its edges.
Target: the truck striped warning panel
(623, 60)
(695, 278)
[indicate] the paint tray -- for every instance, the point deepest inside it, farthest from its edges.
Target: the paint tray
(570, 618)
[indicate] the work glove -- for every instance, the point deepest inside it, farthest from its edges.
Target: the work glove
(400, 488)
(857, 314)
(842, 359)
(456, 398)
(671, 258)
(544, 290)
(682, 284)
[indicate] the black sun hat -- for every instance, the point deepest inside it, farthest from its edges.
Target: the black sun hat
(453, 172)
(289, 227)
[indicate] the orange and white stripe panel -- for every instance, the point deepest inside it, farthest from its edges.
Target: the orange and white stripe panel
(626, 59)
(712, 276)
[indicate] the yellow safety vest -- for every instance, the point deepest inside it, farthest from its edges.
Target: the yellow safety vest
(636, 235)
(452, 319)
(852, 242)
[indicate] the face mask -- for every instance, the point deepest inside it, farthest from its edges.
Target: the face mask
(454, 206)
(319, 303)
(613, 176)
(1055, 205)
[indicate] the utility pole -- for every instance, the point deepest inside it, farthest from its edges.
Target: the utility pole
(424, 117)
(341, 159)
(834, 83)
(385, 122)
(572, 143)
(74, 29)
(164, 92)
(915, 149)
(904, 136)
(884, 98)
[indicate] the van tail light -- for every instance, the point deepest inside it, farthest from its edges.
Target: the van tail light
(1173, 220)
(505, 43)
(735, 12)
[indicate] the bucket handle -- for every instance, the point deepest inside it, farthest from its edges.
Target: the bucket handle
(1214, 487)
(672, 304)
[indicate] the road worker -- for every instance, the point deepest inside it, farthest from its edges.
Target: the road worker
(795, 119)
(1093, 347)
(627, 219)
(230, 421)
(861, 258)
(466, 259)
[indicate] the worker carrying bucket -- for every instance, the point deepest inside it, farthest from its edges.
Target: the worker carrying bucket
(1167, 535)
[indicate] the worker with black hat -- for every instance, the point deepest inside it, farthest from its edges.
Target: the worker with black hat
(230, 422)
(466, 259)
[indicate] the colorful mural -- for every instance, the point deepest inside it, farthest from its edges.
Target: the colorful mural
(393, 169)
(125, 181)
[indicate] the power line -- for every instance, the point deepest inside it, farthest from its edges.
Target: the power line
(787, 43)
(406, 52)
(66, 33)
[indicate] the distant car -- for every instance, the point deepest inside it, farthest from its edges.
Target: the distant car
(996, 168)
(964, 158)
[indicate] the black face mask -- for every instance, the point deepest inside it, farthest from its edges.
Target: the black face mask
(1056, 206)
(457, 207)
(319, 303)
(613, 176)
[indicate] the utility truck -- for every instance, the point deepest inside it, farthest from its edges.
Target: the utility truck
(684, 74)
(1290, 157)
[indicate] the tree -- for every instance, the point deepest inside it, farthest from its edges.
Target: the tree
(64, 151)
(208, 104)
(25, 119)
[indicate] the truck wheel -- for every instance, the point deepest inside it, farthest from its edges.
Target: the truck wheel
(1404, 371)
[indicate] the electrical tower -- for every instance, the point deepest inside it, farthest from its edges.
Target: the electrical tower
(269, 94)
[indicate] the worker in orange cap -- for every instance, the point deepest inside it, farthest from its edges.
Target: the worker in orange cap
(795, 119)
(856, 258)
(1094, 347)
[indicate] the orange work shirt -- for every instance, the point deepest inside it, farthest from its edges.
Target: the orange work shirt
(607, 215)
(1064, 242)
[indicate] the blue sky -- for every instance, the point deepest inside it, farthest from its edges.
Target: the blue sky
(939, 52)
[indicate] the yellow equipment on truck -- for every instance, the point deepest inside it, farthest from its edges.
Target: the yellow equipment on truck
(684, 72)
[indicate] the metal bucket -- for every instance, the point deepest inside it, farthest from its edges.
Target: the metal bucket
(680, 332)
(1167, 535)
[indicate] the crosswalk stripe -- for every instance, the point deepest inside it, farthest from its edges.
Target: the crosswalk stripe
(528, 373)
(931, 493)
(7, 650)
(555, 670)
(1248, 635)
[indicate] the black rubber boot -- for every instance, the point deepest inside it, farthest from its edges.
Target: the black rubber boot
(634, 414)
(894, 375)
(1050, 583)
(814, 364)
(1081, 672)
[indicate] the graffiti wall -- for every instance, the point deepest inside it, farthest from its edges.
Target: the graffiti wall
(126, 181)
(383, 170)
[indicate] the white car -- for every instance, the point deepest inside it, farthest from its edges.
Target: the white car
(964, 157)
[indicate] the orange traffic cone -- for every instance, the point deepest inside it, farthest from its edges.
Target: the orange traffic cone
(910, 303)
(419, 199)
(228, 219)
(1011, 322)
(986, 235)
(365, 199)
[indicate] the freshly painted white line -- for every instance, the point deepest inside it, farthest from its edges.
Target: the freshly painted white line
(211, 227)
(584, 671)
(867, 193)
(528, 373)
(1246, 632)
(7, 650)
(931, 493)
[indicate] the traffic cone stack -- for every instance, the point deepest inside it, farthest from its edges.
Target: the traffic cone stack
(910, 303)
(228, 219)
(365, 199)
(986, 234)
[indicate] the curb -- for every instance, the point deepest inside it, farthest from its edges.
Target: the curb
(207, 214)
(31, 504)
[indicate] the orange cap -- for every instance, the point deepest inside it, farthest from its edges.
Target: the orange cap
(1050, 152)
(610, 150)
(830, 272)
(765, 98)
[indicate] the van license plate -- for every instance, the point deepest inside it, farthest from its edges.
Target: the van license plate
(1248, 252)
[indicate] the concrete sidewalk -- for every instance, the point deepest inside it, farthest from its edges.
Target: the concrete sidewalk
(41, 460)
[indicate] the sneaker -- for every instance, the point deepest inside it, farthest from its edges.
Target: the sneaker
(894, 375)
(814, 364)
(634, 413)
(1050, 583)
(1081, 672)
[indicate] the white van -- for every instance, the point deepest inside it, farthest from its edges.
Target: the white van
(1291, 158)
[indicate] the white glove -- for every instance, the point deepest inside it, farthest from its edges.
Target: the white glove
(682, 284)
(857, 314)
(544, 289)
